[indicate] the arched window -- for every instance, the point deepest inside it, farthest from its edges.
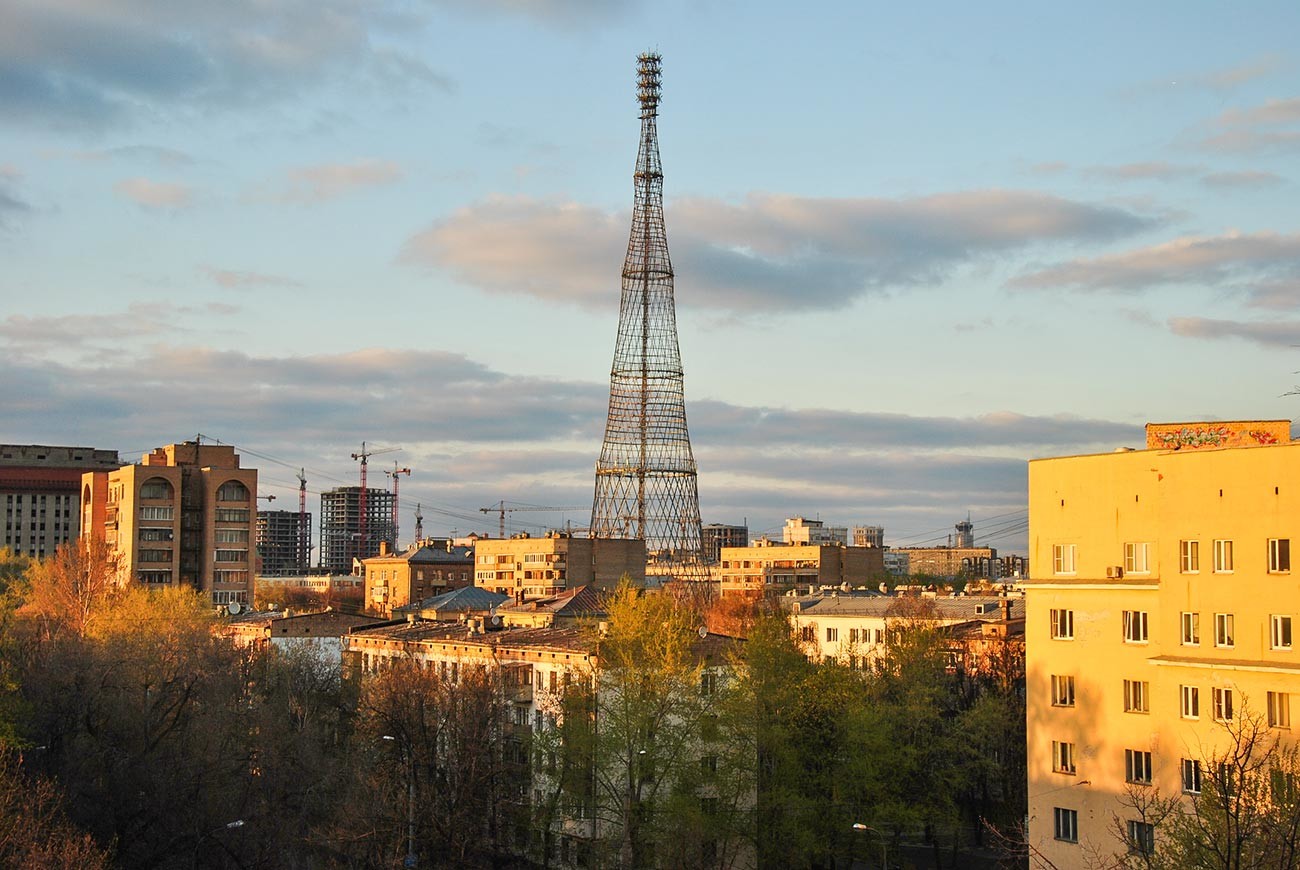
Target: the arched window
(232, 490)
(156, 487)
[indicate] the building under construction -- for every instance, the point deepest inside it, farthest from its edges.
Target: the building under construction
(341, 528)
(284, 541)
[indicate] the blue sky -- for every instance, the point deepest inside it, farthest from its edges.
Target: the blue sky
(914, 246)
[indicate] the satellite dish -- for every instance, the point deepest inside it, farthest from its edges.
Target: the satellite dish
(704, 631)
(233, 608)
(496, 620)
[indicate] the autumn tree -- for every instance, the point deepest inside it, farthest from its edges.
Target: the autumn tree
(35, 830)
(68, 591)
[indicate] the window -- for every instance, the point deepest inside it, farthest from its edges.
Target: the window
(1135, 626)
(832, 635)
(1222, 557)
(1067, 824)
(708, 682)
(231, 556)
(1224, 634)
(1062, 691)
(1191, 629)
(1191, 776)
(1281, 632)
(155, 555)
(1142, 837)
(1223, 704)
(155, 487)
(228, 515)
(1137, 558)
(155, 513)
(1062, 757)
(155, 534)
(1137, 766)
(1063, 558)
(1279, 710)
(232, 490)
(1279, 555)
(1191, 696)
(232, 536)
(1190, 560)
(1135, 696)
(1062, 624)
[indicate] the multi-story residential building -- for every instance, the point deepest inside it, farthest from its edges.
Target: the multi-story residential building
(320, 632)
(526, 567)
(570, 608)
(284, 541)
(340, 526)
(418, 572)
(183, 516)
(1161, 608)
(948, 563)
(40, 488)
(715, 536)
(798, 530)
(897, 564)
(769, 568)
(868, 536)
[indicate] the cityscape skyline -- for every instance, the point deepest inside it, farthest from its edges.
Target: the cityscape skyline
(912, 250)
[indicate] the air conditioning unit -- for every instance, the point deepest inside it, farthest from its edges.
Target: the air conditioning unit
(1114, 572)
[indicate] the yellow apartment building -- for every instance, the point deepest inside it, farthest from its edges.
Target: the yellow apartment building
(1162, 603)
(770, 568)
(185, 515)
(527, 567)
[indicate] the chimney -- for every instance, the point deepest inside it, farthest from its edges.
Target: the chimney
(1006, 609)
(383, 548)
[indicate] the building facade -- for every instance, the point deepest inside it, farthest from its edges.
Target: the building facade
(418, 572)
(40, 488)
(183, 516)
(526, 567)
(868, 536)
(715, 536)
(799, 530)
(340, 526)
(768, 568)
(1160, 614)
(281, 536)
(951, 562)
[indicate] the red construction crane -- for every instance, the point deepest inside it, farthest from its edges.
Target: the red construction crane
(394, 474)
(364, 456)
(500, 508)
(304, 534)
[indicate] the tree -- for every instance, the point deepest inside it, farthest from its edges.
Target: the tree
(68, 589)
(35, 831)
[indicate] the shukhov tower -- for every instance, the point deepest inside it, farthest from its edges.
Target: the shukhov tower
(645, 479)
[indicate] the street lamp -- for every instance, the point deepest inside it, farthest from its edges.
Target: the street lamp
(884, 844)
(411, 859)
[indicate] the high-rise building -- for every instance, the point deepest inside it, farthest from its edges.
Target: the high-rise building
(646, 485)
(283, 541)
(868, 536)
(340, 525)
(183, 516)
(1161, 616)
(715, 536)
(40, 488)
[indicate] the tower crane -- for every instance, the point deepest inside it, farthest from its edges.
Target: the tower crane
(419, 523)
(394, 474)
(304, 534)
(364, 457)
(500, 508)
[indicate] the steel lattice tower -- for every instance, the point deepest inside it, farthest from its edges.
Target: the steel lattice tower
(646, 476)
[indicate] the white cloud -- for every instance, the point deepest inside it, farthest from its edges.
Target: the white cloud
(234, 279)
(147, 193)
(312, 184)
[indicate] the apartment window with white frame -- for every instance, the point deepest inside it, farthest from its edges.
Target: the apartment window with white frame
(1191, 702)
(1135, 626)
(1223, 557)
(1137, 558)
(1189, 557)
(1137, 766)
(1063, 556)
(1191, 628)
(1062, 756)
(1225, 630)
(1062, 624)
(1191, 776)
(1280, 631)
(1279, 555)
(1279, 710)
(832, 635)
(1062, 690)
(1066, 827)
(1136, 693)
(1223, 704)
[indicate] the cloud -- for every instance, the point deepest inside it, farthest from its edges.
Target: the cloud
(153, 154)
(1259, 129)
(1273, 333)
(312, 184)
(769, 252)
(1245, 178)
(154, 194)
(1149, 171)
(72, 64)
(583, 14)
(1231, 77)
(12, 206)
(1255, 262)
(232, 279)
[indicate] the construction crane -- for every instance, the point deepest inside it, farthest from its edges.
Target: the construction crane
(394, 474)
(304, 534)
(419, 523)
(364, 456)
(500, 508)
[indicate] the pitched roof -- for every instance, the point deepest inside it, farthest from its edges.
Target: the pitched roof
(962, 608)
(427, 555)
(467, 598)
(578, 601)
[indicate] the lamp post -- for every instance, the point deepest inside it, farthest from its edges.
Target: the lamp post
(411, 859)
(884, 844)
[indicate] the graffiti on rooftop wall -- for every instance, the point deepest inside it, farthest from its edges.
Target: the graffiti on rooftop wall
(1201, 436)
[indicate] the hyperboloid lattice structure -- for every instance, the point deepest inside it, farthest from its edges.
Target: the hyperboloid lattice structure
(646, 477)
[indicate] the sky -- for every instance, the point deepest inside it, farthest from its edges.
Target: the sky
(915, 245)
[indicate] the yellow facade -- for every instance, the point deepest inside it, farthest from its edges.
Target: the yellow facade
(1162, 593)
(771, 568)
(528, 567)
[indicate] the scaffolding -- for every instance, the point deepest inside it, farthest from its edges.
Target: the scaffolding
(341, 526)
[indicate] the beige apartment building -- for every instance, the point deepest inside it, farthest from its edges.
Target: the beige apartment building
(1161, 609)
(420, 571)
(185, 515)
(526, 567)
(768, 568)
